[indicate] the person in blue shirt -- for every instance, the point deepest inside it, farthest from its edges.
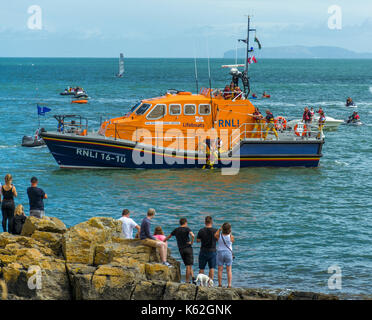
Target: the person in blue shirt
(150, 240)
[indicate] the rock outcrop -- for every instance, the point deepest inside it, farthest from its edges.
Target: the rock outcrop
(90, 261)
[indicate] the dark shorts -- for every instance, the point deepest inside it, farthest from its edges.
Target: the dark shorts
(207, 257)
(187, 256)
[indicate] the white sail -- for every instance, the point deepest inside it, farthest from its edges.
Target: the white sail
(121, 65)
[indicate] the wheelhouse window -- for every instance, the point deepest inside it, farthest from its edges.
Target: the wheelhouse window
(204, 109)
(189, 109)
(142, 109)
(157, 112)
(175, 109)
(135, 107)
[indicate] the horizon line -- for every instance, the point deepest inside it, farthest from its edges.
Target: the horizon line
(222, 58)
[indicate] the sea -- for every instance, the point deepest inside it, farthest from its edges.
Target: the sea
(307, 229)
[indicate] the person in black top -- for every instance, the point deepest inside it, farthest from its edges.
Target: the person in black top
(306, 117)
(208, 247)
(36, 197)
(183, 234)
(19, 219)
(8, 191)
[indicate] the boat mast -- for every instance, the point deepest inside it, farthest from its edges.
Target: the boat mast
(247, 55)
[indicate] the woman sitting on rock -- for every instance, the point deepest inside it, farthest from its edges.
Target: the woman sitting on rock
(19, 219)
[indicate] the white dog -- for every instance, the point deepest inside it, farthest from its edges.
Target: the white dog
(204, 280)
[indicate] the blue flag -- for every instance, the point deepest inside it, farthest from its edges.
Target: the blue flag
(42, 110)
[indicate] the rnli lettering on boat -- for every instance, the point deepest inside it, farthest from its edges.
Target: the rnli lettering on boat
(228, 123)
(119, 158)
(87, 153)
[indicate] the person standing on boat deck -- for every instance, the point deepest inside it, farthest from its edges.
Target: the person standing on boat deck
(8, 191)
(321, 122)
(224, 252)
(36, 198)
(227, 93)
(183, 234)
(257, 117)
(306, 117)
(149, 240)
(270, 124)
(208, 247)
(237, 92)
(312, 113)
(128, 225)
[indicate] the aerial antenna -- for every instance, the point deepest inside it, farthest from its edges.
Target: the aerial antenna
(196, 73)
(245, 76)
(236, 53)
(210, 83)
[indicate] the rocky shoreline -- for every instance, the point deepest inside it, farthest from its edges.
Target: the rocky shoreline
(90, 261)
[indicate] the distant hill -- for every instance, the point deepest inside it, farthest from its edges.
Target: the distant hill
(301, 52)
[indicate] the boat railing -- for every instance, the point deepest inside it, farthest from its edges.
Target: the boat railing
(248, 131)
(72, 124)
(220, 92)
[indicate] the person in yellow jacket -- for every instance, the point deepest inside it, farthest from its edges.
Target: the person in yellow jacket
(321, 122)
(270, 124)
(257, 118)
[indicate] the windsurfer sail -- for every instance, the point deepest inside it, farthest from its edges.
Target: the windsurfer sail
(121, 66)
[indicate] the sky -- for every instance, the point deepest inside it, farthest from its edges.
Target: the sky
(176, 28)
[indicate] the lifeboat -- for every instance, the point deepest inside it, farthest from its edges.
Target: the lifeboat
(181, 129)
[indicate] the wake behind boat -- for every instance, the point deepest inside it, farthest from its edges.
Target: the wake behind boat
(183, 130)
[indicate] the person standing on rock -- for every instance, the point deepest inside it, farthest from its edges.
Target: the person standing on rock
(208, 247)
(150, 241)
(183, 234)
(224, 252)
(128, 225)
(36, 198)
(8, 192)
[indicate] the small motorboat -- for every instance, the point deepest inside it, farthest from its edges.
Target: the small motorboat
(353, 122)
(33, 141)
(67, 93)
(351, 105)
(330, 123)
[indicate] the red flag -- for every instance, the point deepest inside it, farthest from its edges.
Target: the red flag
(252, 59)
